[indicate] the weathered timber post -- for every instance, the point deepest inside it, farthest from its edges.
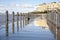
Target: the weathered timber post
(6, 23)
(26, 19)
(58, 34)
(20, 20)
(17, 21)
(13, 21)
(23, 19)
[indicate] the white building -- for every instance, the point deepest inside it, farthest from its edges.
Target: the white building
(49, 6)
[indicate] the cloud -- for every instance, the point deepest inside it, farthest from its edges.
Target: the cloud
(16, 7)
(24, 5)
(2, 7)
(21, 5)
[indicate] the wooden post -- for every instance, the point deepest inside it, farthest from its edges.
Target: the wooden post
(17, 22)
(20, 20)
(6, 23)
(13, 21)
(26, 19)
(58, 33)
(23, 20)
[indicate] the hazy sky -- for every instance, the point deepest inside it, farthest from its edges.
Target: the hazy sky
(21, 5)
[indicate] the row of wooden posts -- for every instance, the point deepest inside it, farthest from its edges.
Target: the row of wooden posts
(7, 19)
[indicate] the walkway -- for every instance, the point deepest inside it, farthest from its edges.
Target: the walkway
(29, 32)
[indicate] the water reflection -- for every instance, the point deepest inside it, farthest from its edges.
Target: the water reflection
(7, 38)
(32, 31)
(41, 23)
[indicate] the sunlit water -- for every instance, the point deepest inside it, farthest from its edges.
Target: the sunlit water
(29, 32)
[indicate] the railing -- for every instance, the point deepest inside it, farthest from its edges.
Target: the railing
(54, 17)
(53, 20)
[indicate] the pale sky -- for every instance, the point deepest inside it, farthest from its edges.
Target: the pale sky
(21, 5)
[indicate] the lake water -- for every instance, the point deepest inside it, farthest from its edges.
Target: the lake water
(29, 32)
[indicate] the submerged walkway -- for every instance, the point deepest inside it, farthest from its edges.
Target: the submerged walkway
(29, 32)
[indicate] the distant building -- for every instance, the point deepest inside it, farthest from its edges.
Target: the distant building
(49, 6)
